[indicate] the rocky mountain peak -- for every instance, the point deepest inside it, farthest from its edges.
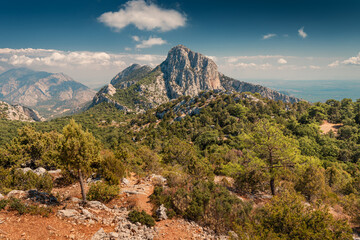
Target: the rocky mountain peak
(187, 72)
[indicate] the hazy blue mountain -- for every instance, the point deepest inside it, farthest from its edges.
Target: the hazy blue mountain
(51, 94)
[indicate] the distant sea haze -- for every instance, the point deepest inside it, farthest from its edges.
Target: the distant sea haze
(315, 90)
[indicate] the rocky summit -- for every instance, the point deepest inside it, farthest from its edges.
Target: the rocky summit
(51, 94)
(183, 73)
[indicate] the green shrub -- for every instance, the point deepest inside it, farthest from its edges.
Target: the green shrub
(112, 168)
(102, 192)
(29, 180)
(17, 205)
(141, 217)
(21, 208)
(3, 203)
(286, 217)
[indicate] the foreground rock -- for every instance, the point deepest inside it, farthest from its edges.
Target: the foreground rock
(17, 194)
(161, 213)
(127, 230)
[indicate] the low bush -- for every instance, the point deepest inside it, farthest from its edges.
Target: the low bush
(286, 217)
(16, 205)
(102, 192)
(141, 217)
(205, 202)
(3, 203)
(112, 169)
(24, 181)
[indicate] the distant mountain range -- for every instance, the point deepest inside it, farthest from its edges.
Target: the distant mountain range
(184, 72)
(51, 94)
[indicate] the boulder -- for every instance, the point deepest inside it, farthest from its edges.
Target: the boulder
(125, 181)
(25, 170)
(17, 194)
(97, 204)
(161, 212)
(68, 213)
(40, 171)
(42, 197)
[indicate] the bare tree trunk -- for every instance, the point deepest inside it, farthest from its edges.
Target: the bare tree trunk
(272, 186)
(272, 177)
(83, 193)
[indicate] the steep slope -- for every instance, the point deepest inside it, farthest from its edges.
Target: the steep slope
(129, 75)
(233, 85)
(52, 94)
(18, 112)
(183, 73)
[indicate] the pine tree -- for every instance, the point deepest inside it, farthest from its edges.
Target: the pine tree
(79, 149)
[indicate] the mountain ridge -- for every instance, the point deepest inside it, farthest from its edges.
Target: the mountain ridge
(183, 73)
(51, 94)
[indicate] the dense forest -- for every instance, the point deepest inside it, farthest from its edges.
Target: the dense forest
(233, 161)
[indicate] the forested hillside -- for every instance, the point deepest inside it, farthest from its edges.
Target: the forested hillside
(233, 161)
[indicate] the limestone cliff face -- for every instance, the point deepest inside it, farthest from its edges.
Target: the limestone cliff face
(18, 112)
(188, 73)
(184, 72)
(52, 94)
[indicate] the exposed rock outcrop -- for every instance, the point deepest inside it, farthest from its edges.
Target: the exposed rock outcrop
(18, 112)
(188, 73)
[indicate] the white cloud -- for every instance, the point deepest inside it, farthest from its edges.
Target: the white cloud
(314, 67)
(151, 42)
(334, 64)
(87, 67)
(270, 35)
(212, 58)
(127, 49)
(253, 65)
(145, 16)
(352, 60)
(302, 33)
(282, 61)
(136, 38)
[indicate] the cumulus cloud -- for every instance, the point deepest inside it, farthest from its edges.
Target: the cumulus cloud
(145, 16)
(302, 33)
(282, 61)
(353, 60)
(270, 35)
(87, 67)
(150, 42)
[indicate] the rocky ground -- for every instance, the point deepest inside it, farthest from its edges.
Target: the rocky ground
(72, 220)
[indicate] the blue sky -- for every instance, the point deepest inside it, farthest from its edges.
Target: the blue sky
(92, 40)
